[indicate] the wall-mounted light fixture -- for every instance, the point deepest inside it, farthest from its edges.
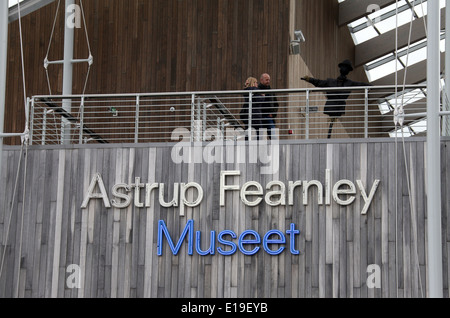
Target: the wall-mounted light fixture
(295, 44)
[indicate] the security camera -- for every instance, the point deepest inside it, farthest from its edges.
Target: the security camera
(299, 36)
(295, 44)
(295, 48)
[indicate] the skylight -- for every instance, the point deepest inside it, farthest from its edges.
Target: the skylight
(380, 22)
(13, 3)
(385, 20)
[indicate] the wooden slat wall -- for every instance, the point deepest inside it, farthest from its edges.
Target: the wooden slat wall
(142, 46)
(116, 249)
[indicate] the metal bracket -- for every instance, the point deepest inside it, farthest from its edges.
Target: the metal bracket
(399, 117)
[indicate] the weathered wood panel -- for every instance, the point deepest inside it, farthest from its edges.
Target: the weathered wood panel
(116, 249)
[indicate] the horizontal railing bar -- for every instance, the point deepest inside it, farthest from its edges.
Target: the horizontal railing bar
(209, 93)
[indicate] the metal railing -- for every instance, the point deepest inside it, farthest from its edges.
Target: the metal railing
(203, 116)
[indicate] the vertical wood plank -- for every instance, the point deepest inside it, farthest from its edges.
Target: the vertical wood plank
(58, 222)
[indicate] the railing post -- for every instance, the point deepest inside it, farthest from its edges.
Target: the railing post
(366, 113)
(192, 116)
(31, 120)
(80, 136)
(198, 122)
(136, 120)
(204, 123)
(250, 115)
(44, 127)
(307, 116)
(219, 130)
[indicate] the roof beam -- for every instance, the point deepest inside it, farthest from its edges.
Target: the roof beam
(351, 10)
(416, 74)
(384, 43)
(26, 7)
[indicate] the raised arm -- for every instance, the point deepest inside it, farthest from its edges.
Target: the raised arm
(315, 82)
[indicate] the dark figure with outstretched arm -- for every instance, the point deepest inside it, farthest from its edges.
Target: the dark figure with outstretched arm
(336, 100)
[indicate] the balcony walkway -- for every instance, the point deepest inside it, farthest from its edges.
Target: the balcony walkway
(207, 116)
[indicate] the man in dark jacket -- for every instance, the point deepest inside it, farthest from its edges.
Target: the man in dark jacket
(336, 100)
(269, 106)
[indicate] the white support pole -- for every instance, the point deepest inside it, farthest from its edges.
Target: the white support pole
(69, 36)
(446, 100)
(3, 65)
(434, 154)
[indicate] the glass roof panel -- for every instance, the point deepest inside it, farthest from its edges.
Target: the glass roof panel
(385, 20)
(414, 57)
(390, 23)
(364, 35)
(383, 70)
(12, 3)
(420, 8)
(419, 126)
